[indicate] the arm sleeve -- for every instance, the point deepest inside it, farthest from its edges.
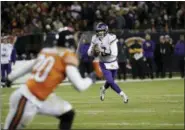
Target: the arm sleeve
(114, 48)
(74, 76)
(13, 56)
(90, 50)
(22, 71)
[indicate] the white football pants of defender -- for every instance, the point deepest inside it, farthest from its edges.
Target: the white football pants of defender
(22, 110)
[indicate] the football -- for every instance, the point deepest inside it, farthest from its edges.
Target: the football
(96, 50)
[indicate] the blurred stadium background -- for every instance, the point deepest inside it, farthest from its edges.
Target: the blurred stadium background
(157, 103)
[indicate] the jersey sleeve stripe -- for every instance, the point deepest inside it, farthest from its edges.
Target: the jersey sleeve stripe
(113, 41)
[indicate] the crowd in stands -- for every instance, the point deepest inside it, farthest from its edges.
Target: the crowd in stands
(27, 17)
(24, 18)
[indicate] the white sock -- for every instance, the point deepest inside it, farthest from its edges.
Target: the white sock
(122, 94)
(103, 88)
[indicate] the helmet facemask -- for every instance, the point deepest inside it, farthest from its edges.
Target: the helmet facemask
(101, 30)
(101, 34)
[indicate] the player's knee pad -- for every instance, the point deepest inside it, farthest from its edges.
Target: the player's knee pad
(67, 107)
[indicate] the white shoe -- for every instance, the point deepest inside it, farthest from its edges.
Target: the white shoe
(102, 93)
(125, 99)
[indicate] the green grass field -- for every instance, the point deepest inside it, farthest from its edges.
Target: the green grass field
(152, 105)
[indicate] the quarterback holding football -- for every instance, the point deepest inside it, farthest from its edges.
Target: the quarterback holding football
(104, 47)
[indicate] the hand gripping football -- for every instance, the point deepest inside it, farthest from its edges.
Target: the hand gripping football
(96, 50)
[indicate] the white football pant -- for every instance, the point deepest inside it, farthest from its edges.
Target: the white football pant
(22, 110)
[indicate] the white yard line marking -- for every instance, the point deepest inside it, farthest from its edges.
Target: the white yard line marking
(172, 95)
(125, 111)
(4, 95)
(112, 102)
(142, 96)
(119, 111)
(114, 124)
(118, 81)
(176, 111)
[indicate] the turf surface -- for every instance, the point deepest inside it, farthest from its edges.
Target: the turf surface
(152, 105)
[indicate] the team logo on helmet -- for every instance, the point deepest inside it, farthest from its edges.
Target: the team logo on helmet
(101, 30)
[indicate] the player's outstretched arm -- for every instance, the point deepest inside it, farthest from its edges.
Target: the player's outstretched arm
(79, 83)
(21, 72)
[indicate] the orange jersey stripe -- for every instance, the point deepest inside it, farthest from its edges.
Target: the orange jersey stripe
(18, 114)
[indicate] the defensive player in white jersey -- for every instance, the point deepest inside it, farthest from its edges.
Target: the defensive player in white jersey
(104, 45)
(51, 67)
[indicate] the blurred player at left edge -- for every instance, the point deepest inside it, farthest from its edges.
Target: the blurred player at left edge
(37, 96)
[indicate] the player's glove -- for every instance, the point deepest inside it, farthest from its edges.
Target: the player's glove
(7, 83)
(93, 76)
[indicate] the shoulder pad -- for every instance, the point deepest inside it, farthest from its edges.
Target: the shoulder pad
(112, 38)
(70, 58)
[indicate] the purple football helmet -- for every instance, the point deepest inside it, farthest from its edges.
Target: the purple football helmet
(101, 30)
